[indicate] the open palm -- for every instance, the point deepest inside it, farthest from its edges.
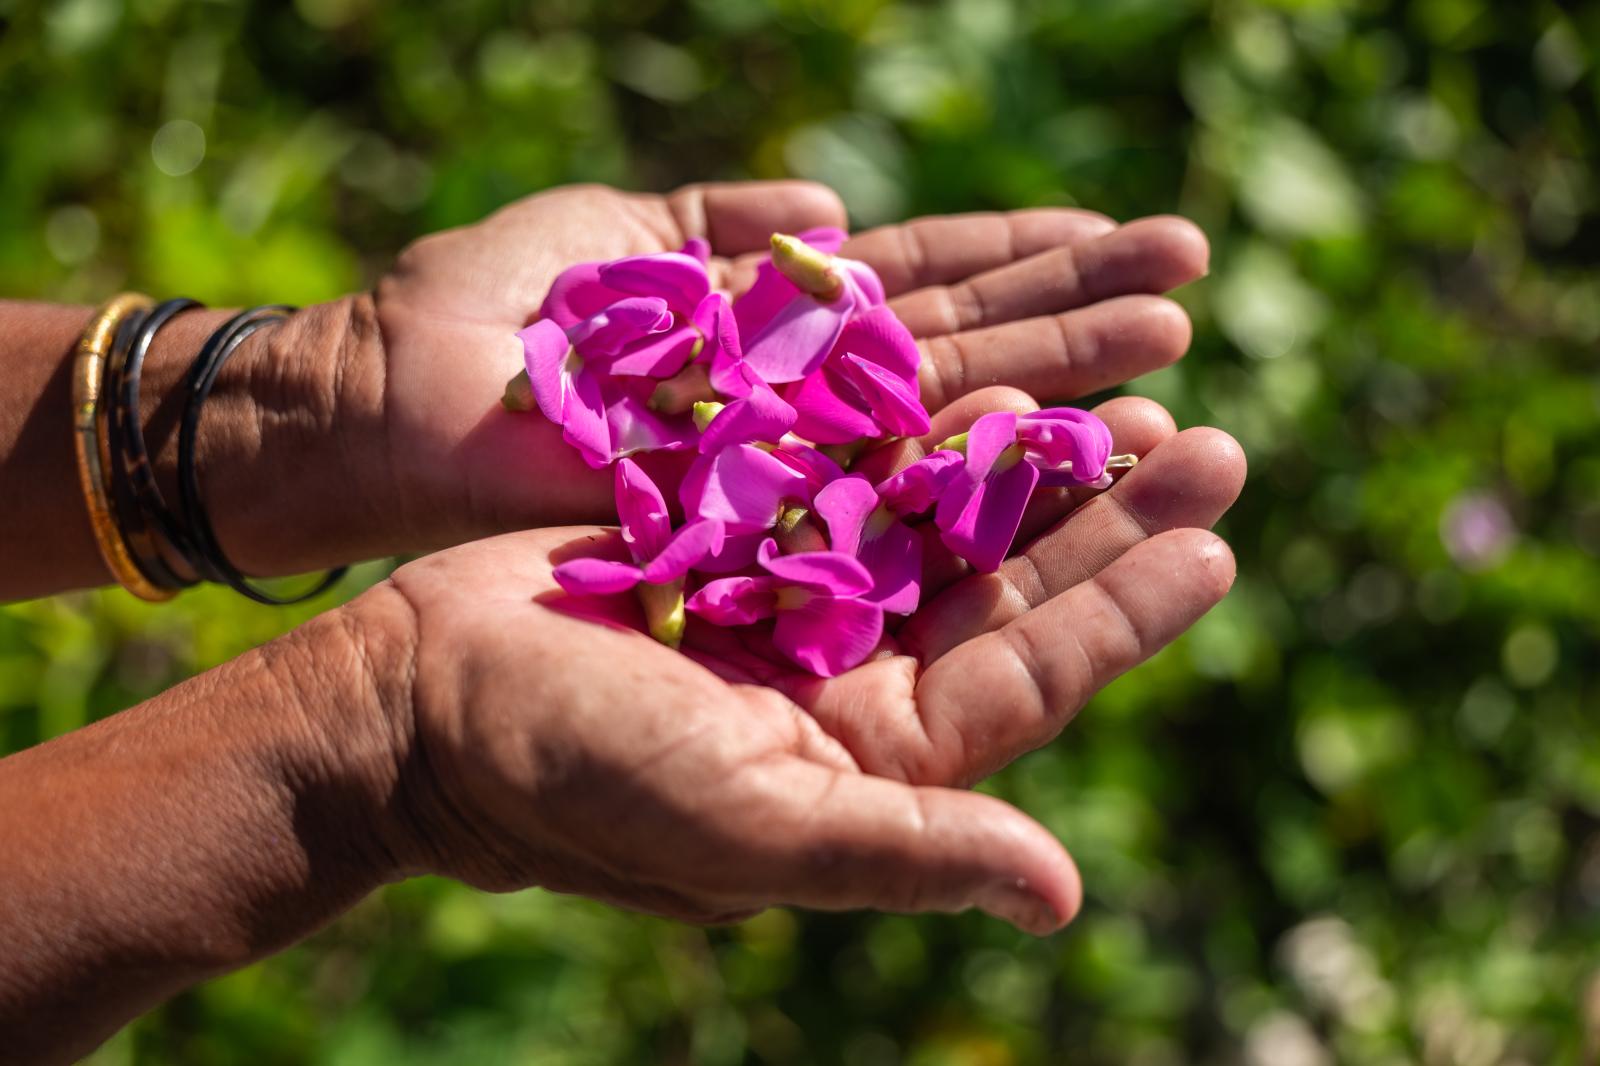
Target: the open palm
(569, 750)
(1055, 302)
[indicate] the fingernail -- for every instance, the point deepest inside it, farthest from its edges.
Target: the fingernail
(1012, 901)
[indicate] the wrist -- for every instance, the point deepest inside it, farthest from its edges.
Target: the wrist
(289, 445)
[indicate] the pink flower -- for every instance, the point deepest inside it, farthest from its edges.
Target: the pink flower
(1007, 456)
(801, 300)
(867, 522)
(866, 387)
(660, 555)
(824, 623)
(606, 335)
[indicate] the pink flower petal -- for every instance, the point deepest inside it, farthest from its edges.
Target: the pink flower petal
(893, 399)
(1057, 436)
(919, 486)
(741, 486)
(621, 323)
(646, 525)
(878, 336)
(658, 356)
(735, 601)
(824, 238)
(817, 469)
(988, 437)
(677, 278)
(583, 418)
(825, 415)
(737, 552)
(825, 571)
(894, 559)
(771, 293)
(576, 294)
(697, 248)
(597, 577)
(634, 428)
(688, 547)
(978, 521)
(828, 636)
(544, 353)
(798, 338)
(761, 415)
(844, 505)
(863, 280)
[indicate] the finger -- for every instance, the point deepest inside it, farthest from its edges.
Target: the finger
(1068, 354)
(1189, 480)
(742, 216)
(836, 841)
(1011, 690)
(945, 249)
(958, 417)
(1137, 426)
(1151, 255)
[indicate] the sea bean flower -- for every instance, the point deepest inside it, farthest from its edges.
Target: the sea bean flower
(662, 557)
(824, 622)
(803, 297)
(867, 522)
(606, 336)
(1007, 455)
(865, 387)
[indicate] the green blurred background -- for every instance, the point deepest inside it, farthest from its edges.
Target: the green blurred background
(1353, 816)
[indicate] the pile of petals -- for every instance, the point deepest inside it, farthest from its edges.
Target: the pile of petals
(765, 400)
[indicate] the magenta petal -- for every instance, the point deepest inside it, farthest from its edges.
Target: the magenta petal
(894, 559)
(988, 437)
(735, 601)
(596, 577)
(759, 416)
(697, 248)
(646, 525)
(622, 323)
(816, 468)
(893, 399)
(741, 486)
(1057, 436)
(687, 548)
(823, 415)
(736, 552)
(844, 505)
(583, 418)
(798, 338)
(828, 636)
(677, 278)
(659, 356)
(824, 571)
(878, 336)
(824, 238)
(544, 353)
(577, 294)
(770, 294)
(862, 280)
(979, 521)
(919, 486)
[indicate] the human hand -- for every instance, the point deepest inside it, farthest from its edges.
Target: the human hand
(1055, 302)
(547, 741)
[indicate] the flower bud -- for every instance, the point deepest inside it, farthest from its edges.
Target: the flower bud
(810, 269)
(796, 531)
(683, 390)
(663, 611)
(519, 393)
(704, 412)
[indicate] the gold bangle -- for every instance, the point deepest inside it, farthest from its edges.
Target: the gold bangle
(89, 444)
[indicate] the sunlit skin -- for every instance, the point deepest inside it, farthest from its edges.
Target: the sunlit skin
(466, 718)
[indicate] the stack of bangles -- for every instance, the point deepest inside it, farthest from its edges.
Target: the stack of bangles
(152, 550)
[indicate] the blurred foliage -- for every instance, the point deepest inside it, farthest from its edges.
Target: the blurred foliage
(1353, 816)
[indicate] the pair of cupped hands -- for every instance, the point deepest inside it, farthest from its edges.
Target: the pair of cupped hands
(565, 748)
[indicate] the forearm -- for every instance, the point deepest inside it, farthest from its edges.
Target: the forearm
(198, 831)
(290, 448)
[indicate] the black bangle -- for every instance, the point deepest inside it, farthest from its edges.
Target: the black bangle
(214, 565)
(128, 433)
(142, 549)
